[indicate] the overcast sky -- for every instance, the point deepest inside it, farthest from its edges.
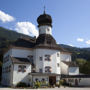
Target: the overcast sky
(71, 18)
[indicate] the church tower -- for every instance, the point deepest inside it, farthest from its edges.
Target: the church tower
(45, 24)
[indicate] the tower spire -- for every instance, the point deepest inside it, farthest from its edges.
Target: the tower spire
(44, 10)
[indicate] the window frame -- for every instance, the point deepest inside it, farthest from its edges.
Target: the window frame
(48, 69)
(58, 65)
(40, 70)
(58, 55)
(47, 57)
(21, 68)
(41, 58)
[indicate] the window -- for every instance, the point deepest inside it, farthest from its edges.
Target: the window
(10, 68)
(48, 69)
(48, 41)
(40, 58)
(40, 70)
(48, 29)
(21, 68)
(30, 57)
(39, 30)
(36, 79)
(58, 64)
(43, 79)
(57, 54)
(47, 57)
(6, 59)
(6, 69)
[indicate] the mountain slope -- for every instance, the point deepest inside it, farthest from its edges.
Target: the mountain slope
(78, 52)
(9, 34)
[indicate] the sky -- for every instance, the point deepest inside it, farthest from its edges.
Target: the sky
(71, 19)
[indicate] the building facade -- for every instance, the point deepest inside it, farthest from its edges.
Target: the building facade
(31, 59)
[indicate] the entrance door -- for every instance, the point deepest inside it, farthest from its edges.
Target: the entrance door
(76, 82)
(52, 80)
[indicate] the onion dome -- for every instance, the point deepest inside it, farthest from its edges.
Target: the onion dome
(44, 19)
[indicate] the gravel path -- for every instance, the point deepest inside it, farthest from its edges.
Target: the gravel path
(49, 89)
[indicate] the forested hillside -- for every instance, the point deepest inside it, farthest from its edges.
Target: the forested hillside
(78, 52)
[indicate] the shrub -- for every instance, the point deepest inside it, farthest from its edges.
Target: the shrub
(21, 84)
(37, 84)
(61, 82)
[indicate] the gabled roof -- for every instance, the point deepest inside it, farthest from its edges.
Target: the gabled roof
(16, 60)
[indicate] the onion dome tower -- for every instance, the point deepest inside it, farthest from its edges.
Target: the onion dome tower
(45, 38)
(45, 29)
(45, 24)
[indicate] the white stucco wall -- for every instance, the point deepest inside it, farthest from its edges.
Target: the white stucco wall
(73, 70)
(80, 81)
(40, 78)
(84, 82)
(64, 68)
(42, 64)
(65, 57)
(45, 30)
(7, 76)
(21, 53)
(21, 76)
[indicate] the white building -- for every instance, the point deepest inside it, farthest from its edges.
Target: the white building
(41, 58)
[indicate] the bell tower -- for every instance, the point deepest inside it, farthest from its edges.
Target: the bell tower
(45, 24)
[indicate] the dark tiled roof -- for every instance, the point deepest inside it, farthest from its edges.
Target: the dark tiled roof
(20, 60)
(44, 19)
(23, 42)
(75, 76)
(44, 74)
(47, 41)
(70, 64)
(43, 41)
